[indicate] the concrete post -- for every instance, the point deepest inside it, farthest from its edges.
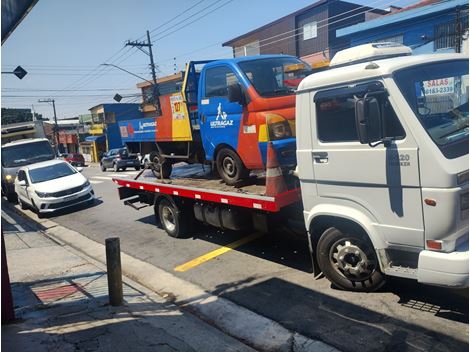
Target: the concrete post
(113, 265)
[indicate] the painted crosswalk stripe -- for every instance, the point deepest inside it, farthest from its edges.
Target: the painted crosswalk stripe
(103, 177)
(95, 182)
(119, 175)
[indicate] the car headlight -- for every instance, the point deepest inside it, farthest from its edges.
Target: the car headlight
(42, 194)
(278, 127)
(9, 178)
(86, 184)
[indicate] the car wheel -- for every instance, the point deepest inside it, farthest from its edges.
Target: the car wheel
(12, 198)
(115, 167)
(230, 167)
(103, 168)
(349, 261)
(137, 168)
(22, 204)
(124, 168)
(175, 222)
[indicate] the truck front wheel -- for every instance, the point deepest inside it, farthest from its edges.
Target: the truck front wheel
(230, 167)
(349, 261)
(174, 222)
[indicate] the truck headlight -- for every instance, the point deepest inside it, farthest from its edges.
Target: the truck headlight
(278, 127)
(9, 178)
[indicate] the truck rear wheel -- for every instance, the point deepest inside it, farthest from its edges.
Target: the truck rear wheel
(230, 167)
(349, 261)
(161, 168)
(174, 222)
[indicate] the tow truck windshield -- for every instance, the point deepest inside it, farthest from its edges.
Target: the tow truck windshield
(438, 95)
(275, 76)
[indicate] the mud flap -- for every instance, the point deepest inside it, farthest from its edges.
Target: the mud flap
(317, 273)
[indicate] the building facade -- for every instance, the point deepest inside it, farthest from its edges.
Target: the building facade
(309, 33)
(67, 134)
(104, 131)
(430, 26)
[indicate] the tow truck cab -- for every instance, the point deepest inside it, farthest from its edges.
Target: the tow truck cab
(382, 152)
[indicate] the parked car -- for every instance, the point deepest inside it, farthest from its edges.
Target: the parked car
(52, 185)
(118, 159)
(75, 159)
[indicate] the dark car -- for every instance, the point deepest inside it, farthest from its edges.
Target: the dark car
(119, 159)
(75, 159)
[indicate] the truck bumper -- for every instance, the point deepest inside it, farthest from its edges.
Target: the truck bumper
(285, 151)
(444, 269)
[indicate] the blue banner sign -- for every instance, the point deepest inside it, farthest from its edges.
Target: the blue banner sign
(138, 130)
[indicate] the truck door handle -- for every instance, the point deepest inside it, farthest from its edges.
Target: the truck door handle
(320, 157)
(203, 118)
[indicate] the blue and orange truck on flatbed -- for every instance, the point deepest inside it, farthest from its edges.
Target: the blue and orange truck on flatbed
(225, 114)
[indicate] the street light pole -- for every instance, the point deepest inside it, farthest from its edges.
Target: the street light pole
(56, 127)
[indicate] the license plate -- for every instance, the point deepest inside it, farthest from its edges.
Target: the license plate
(130, 163)
(66, 199)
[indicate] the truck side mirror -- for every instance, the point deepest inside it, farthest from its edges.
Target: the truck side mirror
(235, 94)
(368, 120)
(22, 183)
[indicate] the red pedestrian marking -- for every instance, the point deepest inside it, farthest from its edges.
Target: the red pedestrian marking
(56, 293)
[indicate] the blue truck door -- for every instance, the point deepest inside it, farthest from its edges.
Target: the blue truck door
(219, 119)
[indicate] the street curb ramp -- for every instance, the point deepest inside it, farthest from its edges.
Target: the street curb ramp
(251, 328)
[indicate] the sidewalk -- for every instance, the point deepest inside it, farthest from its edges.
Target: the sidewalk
(60, 299)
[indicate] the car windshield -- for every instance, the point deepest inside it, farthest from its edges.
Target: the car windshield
(275, 76)
(50, 172)
(438, 95)
(27, 153)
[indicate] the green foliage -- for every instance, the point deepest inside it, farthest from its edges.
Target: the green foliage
(18, 115)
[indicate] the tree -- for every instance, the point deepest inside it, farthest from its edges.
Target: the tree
(11, 115)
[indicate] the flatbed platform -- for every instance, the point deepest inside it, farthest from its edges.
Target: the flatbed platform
(196, 182)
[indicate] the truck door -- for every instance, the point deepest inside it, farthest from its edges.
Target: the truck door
(380, 181)
(219, 119)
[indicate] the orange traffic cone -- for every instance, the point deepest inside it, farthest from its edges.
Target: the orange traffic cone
(275, 183)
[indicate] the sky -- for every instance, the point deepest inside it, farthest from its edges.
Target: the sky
(62, 45)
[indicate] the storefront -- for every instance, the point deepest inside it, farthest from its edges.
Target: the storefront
(93, 147)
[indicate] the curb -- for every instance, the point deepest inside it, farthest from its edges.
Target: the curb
(251, 328)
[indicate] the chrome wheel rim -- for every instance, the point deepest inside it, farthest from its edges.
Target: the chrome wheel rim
(168, 218)
(353, 259)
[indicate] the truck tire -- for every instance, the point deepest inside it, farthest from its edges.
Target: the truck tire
(103, 168)
(230, 167)
(174, 222)
(137, 168)
(159, 169)
(349, 261)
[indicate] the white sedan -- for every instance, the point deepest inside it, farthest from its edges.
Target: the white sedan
(51, 185)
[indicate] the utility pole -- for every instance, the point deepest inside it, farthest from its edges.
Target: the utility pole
(155, 90)
(56, 127)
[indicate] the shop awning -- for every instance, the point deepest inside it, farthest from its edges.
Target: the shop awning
(101, 138)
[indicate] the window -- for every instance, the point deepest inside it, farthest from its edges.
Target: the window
(248, 49)
(21, 175)
(217, 81)
(110, 117)
(336, 117)
(444, 35)
(310, 30)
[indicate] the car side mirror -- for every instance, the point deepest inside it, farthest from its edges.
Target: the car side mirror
(235, 94)
(368, 120)
(22, 183)
(79, 169)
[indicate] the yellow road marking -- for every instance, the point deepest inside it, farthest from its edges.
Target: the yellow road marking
(215, 253)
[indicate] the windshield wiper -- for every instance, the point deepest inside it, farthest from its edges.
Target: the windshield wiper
(453, 132)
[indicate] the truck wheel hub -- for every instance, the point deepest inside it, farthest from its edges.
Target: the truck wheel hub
(168, 218)
(351, 260)
(229, 166)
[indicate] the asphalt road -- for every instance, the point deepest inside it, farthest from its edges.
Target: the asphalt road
(271, 275)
